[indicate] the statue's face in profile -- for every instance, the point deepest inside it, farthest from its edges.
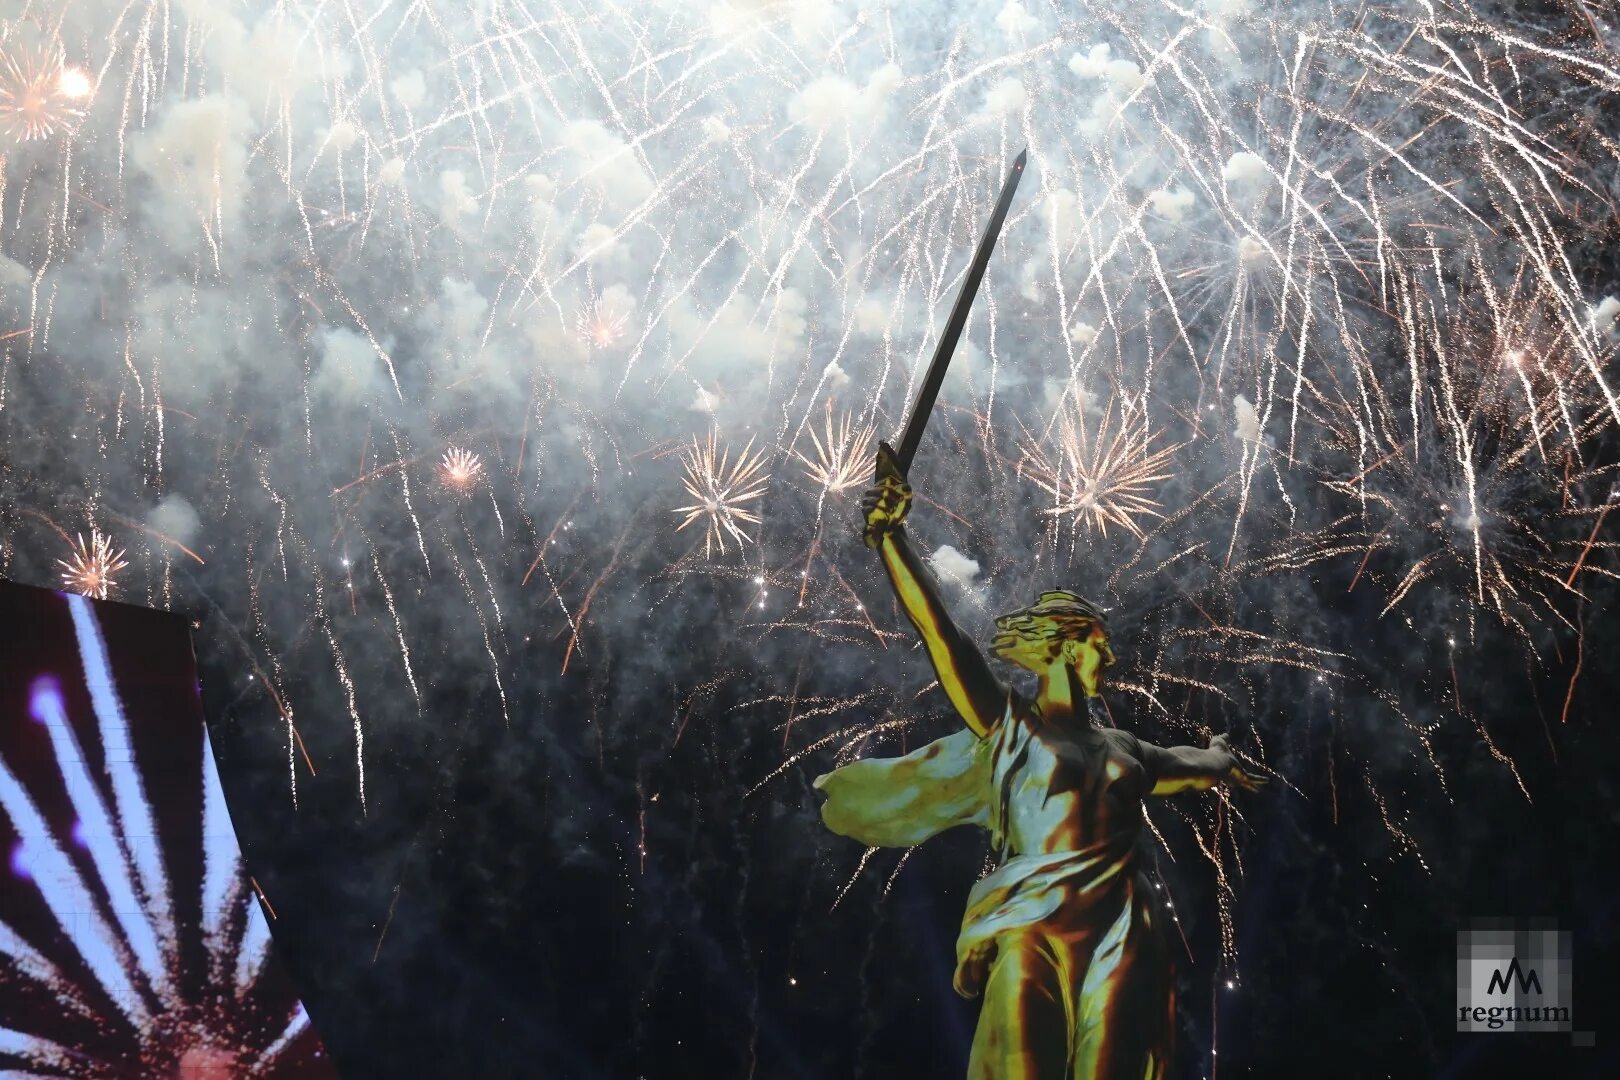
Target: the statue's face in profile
(1036, 642)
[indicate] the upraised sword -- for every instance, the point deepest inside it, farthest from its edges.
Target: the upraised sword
(923, 405)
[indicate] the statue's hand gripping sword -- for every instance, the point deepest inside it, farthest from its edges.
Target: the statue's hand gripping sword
(923, 405)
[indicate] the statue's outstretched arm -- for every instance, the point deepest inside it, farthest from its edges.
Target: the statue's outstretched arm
(963, 672)
(1187, 768)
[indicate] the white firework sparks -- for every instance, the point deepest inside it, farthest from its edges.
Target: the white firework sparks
(722, 491)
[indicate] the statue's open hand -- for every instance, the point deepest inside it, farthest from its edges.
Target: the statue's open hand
(1236, 774)
(974, 970)
(888, 501)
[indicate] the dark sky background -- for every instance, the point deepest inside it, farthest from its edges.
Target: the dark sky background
(525, 770)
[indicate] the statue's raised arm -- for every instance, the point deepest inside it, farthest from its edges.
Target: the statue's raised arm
(978, 697)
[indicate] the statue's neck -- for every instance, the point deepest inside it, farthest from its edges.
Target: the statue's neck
(1060, 696)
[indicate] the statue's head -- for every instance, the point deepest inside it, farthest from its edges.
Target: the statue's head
(1059, 627)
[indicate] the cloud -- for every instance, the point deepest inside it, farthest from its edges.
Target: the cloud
(392, 172)
(598, 242)
(348, 368)
(455, 201)
(1246, 420)
(835, 100)
(1014, 21)
(1082, 334)
(1099, 63)
(884, 82)
(1245, 167)
(871, 316)
(410, 89)
(342, 135)
(607, 165)
(704, 402)
(1061, 213)
(1005, 98)
(174, 518)
(13, 274)
(1172, 204)
(829, 100)
(715, 131)
(953, 568)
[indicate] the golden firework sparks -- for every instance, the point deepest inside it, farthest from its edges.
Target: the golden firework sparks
(39, 93)
(89, 568)
(460, 470)
(1101, 478)
(844, 459)
(720, 490)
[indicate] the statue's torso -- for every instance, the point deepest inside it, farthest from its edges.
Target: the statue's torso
(1063, 786)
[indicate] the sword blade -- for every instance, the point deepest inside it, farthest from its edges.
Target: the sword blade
(923, 405)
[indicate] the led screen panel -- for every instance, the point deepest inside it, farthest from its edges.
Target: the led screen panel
(132, 940)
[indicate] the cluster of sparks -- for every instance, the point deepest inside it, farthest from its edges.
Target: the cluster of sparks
(1100, 477)
(90, 566)
(722, 492)
(41, 95)
(460, 470)
(601, 326)
(842, 457)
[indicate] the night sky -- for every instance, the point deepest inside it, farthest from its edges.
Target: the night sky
(495, 389)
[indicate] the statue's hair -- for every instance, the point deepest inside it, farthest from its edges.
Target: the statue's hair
(1074, 615)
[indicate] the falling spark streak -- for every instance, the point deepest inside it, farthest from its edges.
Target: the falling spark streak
(1376, 237)
(860, 867)
(342, 668)
(399, 630)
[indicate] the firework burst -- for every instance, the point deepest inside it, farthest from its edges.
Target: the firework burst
(89, 567)
(601, 324)
(843, 459)
(1102, 477)
(460, 470)
(721, 491)
(40, 94)
(1206, 226)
